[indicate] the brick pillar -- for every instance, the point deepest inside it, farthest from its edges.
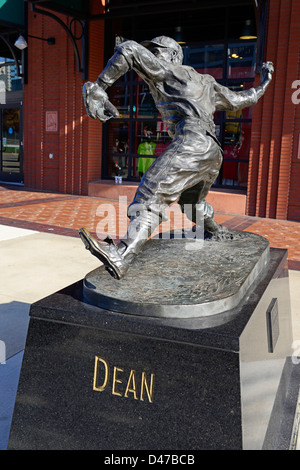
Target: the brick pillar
(274, 119)
(55, 85)
(93, 129)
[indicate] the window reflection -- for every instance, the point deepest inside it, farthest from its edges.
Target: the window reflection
(145, 106)
(119, 95)
(9, 79)
(236, 148)
(10, 162)
(151, 139)
(207, 59)
(241, 60)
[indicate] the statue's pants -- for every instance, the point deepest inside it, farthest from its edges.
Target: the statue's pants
(185, 172)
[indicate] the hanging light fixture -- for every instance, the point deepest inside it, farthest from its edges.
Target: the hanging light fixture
(179, 35)
(21, 42)
(248, 31)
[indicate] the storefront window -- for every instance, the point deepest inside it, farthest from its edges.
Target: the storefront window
(236, 141)
(151, 140)
(206, 59)
(10, 83)
(241, 60)
(11, 97)
(236, 153)
(120, 97)
(144, 106)
(117, 145)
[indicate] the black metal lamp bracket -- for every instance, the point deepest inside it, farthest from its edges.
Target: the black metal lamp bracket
(81, 64)
(10, 47)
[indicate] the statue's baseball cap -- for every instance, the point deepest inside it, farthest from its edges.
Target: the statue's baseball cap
(164, 41)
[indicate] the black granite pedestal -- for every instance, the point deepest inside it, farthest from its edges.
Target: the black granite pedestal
(98, 379)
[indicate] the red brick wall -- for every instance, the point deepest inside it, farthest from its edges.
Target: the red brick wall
(96, 62)
(274, 169)
(54, 84)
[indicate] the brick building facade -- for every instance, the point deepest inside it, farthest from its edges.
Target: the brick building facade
(274, 170)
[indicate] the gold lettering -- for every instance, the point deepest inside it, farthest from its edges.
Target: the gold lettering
(146, 386)
(147, 389)
(116, 380)
(96, 386)
(132, 389)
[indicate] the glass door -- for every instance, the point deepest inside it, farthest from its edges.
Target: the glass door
(11, 148)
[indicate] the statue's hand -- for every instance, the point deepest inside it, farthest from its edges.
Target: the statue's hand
(97, 103)
(266, 71)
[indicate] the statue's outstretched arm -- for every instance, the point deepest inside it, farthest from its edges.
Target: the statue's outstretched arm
(266, 76)
(129, 55)
(228, 100)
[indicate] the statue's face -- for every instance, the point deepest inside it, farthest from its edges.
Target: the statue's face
(164, 53)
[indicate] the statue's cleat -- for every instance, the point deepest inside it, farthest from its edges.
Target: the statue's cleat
(107, 252)
(210, 225)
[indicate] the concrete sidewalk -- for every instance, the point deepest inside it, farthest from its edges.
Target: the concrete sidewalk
(33, 265)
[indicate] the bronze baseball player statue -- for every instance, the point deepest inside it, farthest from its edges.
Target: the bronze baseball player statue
(185, 171)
